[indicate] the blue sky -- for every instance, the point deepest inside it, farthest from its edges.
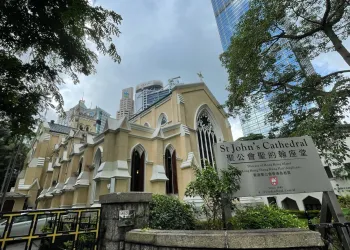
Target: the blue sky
(162, 39)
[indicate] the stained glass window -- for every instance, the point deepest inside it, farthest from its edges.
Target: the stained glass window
(206, 138)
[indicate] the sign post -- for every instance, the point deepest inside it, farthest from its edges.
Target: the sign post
(274, 166)
(281, 166)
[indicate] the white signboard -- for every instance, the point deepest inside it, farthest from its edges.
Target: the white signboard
(274, 166)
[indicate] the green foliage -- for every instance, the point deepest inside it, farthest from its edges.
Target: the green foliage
(264, 217)
(312, 104)
(9, 145)
(344, 202)
(251, 137)
(168, 212)
(301, 214)
(43, 44)
(210, 187)
(209, 225)
(343, 172)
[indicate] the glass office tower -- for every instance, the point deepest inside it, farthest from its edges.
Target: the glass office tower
(227, 14)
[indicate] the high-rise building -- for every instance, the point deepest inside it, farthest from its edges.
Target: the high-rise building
(83, 118)
(126, 108)
(148, 93)
(227, 14)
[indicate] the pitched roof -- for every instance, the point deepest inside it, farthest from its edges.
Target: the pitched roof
(54, 127)
(182, 86)
(14, 195)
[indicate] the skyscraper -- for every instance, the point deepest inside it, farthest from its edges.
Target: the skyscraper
(126, 103)
(227, 14)
(148, 93)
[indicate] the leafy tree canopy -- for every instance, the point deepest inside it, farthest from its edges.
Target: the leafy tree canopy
(9, 145)
(251, 137)
(43, 42)
(306, 102)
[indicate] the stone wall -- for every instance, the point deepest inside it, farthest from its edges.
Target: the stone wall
(245, 239)
(125, 218)
(113, 227)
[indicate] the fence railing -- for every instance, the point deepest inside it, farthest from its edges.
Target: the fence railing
(54, 229)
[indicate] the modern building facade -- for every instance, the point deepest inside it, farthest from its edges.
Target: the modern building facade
(126, 108)
(148, 93)
(227, 14)
(154, 151)
(83, 118)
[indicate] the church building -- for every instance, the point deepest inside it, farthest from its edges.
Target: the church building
(153, 151)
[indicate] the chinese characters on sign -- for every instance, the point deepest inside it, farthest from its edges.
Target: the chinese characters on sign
(274, 166)
(259, 155)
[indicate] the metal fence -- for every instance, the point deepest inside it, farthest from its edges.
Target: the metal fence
(331, 234)
(54, 229)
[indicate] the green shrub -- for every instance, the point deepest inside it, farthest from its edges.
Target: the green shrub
(210, 187)
(301, 214)
(208, 225)
(263, 216)
(167, 212)
(344, 201)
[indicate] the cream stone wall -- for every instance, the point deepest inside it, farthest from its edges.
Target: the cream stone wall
(117, 144)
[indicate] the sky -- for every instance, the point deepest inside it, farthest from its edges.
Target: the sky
(162, 39)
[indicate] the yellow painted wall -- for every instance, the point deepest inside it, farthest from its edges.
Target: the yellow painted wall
(56, 201)
(80, 196)
(66, 199)
(101, 188)
(19, 203)
(118, 145)
(32, 193)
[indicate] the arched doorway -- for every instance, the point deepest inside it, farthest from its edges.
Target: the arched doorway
(311, 203)
(170, 171)
(290, 204)
(137, 169)
(97, 163)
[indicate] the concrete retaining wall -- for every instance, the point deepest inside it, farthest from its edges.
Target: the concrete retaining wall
(245, 239)
(123, 216)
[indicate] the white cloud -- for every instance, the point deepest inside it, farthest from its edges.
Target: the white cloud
(236, 128)
(161, 40)
(330, 62)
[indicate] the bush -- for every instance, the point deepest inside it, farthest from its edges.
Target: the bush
(301, 214)
(167, 212)
(209, 225)
(264, 217)
(210, 187)
(344, 201)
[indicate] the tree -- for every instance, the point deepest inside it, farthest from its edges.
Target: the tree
(306, 102)
(251, 137)
(42, 45)
(9, 144)
(210, 187)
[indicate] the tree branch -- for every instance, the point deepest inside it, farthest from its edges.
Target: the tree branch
(326, 13)
(307, 19)
(335, 73)
(298, 37)
(341, 12)
(337, 43)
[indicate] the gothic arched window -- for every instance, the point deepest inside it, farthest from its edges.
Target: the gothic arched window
(206, 138)
(162, 119)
